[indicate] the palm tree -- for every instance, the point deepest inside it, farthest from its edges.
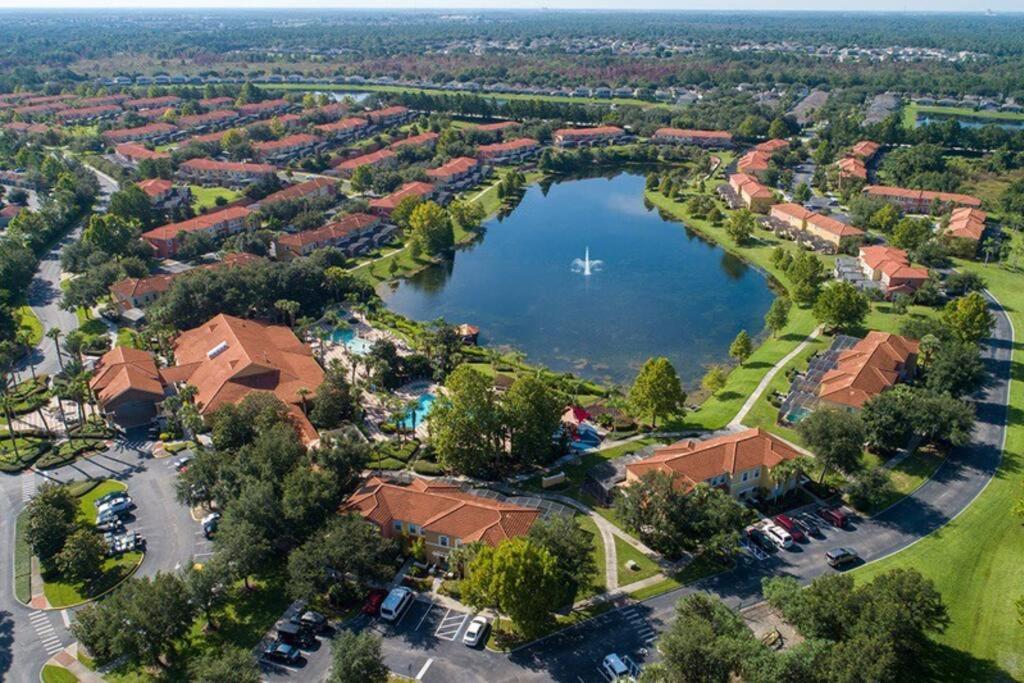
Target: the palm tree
(303, 393)
(7, 404)
(55, 333)
(288, 309)
(411, 408)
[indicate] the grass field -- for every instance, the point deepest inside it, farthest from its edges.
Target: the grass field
(29, 325)
(975, 560)
(57, 674)
(624, 553)
(912, 111)
(206, 197)
(598, 554)
(339, 87)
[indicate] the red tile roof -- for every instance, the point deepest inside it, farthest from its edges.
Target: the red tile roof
(852, 167)
(287, 142)
(456, 167)
(133, 150)
(413, 189)
(867, 369)
(202, 222)
(753, 161)
(923, 196)
(967, 223)
(351, 123)
(123, 369)
(596, 131)
(497, 126)
(335, 230)
(299, 190)
(772, 146)
(216, 116)
(690, 133)
(154, 187)
(414, 140)
(227, 358)
(499, 148)
(691, 462)
(865, 149)
(371, 158)
(441, 508)
(150, 129)
(201, 164)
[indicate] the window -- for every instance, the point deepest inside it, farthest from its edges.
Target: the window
(414, 530)
(458, 542)
(757, 473)
(443, 540)
(745, 475)
(398, 525)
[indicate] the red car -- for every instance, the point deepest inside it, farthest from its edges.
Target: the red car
(789, 525)
(373, 601)
(834, 516)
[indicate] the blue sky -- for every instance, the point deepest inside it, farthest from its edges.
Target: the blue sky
(761, 5)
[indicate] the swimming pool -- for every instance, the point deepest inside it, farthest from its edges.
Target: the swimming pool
(798, 413)
(352, 341)
(414, 418)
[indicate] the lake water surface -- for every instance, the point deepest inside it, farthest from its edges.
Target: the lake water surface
(661, 291)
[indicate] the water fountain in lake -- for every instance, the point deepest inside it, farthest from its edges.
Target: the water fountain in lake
(585, 265)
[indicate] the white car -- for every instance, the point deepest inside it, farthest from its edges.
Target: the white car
(475, 631)
(778, 536)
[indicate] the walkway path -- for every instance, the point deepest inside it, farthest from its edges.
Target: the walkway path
(769, 376)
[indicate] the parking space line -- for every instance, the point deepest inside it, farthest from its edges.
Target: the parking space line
(423, 671)
(425, 614)
(449, 626)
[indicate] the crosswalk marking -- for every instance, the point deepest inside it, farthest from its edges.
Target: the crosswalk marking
(49, 639)
(28, 485)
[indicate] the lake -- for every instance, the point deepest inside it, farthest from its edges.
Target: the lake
(660, 291)
(971, 122)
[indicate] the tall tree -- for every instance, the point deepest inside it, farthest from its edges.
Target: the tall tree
(657, 391)
(841, 306)
(357, 658)
(532, 414)
(465, 423)
(741, 347)
(836, 438)
(969, 317)
(573, 549)
(778, 315)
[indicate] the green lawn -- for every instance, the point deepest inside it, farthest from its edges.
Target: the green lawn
(598, 554)
(22, 559)
(911, 112)
(241, 623)
(430, 91)
(206, 197)
(57, 674)
(29, 325)
(975, 560)
(624, 552)
(63, 593)
(701, 567)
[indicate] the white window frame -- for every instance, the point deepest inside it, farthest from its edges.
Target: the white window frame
(444, 541)
(415, 530)
(397, 525)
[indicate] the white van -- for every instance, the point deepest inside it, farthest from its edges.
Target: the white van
(778, 535)
(396, 603)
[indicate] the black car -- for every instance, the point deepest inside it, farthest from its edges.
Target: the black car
(313, 621)
(278, 651)
(840, 557)
(808, 525)
(295, 635)
(761, 540)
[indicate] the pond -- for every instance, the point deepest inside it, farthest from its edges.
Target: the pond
(659, 289)
(972, 122)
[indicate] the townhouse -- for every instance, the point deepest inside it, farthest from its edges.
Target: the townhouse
(754, 163)
(865, 150)
(148, 103)
(920, 201)
(500, 127)
(388, 116)
(212, 120)
(459, 173)
(751, 193)
(872, 365)
(511, 152)
(265, 109)
(385, 205)
(852, 169)
(740, 464)
(967, 226)
(344, 130)
(164, 194)
(708, 139)
(772, 146)
(211, 103)
(166, 239)
(127, 386)
(156, 133)
(442, 514)
(228, 173)
(132, 153)
(425, 140)
(588, 137)
(891, 268)
(87, 114)
(825, 228)
(352, 234)
(287, 148)
(382, 158)
(138, 292)
(308, 190)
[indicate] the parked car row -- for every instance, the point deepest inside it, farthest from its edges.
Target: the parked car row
(295, 635)
(111, 510)
(783, 532)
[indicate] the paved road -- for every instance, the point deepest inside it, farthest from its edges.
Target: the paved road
(28, 637)
(574, 654)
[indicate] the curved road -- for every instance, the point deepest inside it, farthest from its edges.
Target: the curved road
(574, 654)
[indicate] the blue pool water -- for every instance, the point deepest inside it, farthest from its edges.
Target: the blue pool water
(352, 342)
(414, 418)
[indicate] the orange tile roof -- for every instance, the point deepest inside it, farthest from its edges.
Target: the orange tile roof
(852, 167)
(967, 223)
(455, 167)
(287, 142)
(441, 508)
(744, 183)
(260, 107)
(154, 187)
(351, 123)
(158, 284)
(691, 462)
(133, 150)
(335, 230)
(371, 158)
(868, 368)
(202, 222)
(754, 160)
(497, 126)
(386, 112)
(299, 190)
(510, 146)
(413, 189)
(596, 131)
(123, 369)
(201, 164)
(227, 358)
(922, 195)
(865, 149)
(772, 146)
(414, 140)
(140, 131)
(215, 116)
